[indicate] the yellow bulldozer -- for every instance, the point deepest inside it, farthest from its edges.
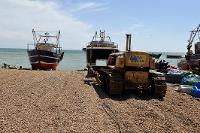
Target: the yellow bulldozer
(131, 70)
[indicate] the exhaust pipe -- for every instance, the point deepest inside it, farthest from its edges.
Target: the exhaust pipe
(128, 42)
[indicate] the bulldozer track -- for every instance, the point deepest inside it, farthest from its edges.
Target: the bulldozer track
(112, 115)
(115, 83)
(159, 87)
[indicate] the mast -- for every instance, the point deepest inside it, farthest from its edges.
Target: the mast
(192, 36)
(34, 37)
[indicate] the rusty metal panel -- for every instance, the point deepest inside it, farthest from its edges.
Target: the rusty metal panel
(136, 76)
(152, 63)
(120, 62)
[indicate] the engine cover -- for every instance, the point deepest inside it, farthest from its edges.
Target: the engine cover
(137, 59)
(138, 77)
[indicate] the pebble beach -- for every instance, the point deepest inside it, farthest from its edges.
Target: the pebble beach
(61, 101)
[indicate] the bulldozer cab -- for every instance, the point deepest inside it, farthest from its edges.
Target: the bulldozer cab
(112, 59)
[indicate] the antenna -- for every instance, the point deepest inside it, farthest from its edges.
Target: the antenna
(34, 36)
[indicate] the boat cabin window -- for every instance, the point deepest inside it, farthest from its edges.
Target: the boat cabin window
(101, 62)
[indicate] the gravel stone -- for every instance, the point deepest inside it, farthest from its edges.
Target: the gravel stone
(60, 101)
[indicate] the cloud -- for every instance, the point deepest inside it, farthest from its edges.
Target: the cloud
(136, 29)
(89, 6)
(19, 17)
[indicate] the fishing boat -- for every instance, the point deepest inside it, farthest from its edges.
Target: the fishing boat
(174, 56)
(84, 49)
(193, 57)
(46, 52)
(99, 48)
(155, 55)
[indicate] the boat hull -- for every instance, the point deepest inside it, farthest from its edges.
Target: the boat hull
(93, 54)
(43, 66)
(44, 60)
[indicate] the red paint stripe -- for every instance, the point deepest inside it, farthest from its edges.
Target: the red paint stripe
(44, 66)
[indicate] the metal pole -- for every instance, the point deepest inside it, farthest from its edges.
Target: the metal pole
(128, 42)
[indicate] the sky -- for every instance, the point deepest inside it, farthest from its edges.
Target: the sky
(155, 25)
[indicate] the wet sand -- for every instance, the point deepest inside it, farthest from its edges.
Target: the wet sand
(60, 101)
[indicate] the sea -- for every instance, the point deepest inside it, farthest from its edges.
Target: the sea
(72, 60)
